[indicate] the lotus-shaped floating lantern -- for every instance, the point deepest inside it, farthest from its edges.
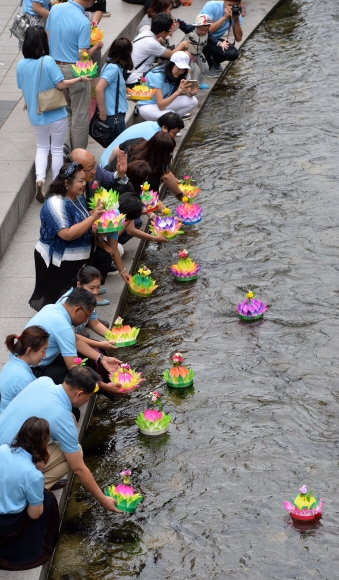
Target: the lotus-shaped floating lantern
(153, 421)
(127, 500)
(304, 506)
(189, 213)
(85, 67)
(178, 376)
(111, 220)
(185, 270)
(188, 187)
(251, 309)
(141, 92)
(141, 284)
(128, 379)
(149, 198)
(167, 226)
(96, 34)
(122, 334)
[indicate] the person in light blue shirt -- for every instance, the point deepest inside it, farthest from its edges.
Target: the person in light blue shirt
(170, 123)
(37, 12)
(29, 514)
(225, 15)
(38, 72)
(119, 61)
(54, 404)
(25, 350)
(69, 34)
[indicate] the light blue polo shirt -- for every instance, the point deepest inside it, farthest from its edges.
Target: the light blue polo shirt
(55, 319)
(93, 316)
(15, 376)
(216, 11)
(158, 80)
(69, 30)
(27, 6)
(110, 74)
(27, 79)
(21, 482)
(43, 399)
(146, 130)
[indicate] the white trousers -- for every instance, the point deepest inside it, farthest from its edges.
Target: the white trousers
(49, 137)
(180, 105)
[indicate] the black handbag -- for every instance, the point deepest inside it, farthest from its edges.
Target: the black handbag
(99, 130)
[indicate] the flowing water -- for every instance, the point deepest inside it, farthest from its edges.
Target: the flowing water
(262, 417)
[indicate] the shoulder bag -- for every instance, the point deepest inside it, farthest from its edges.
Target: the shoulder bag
(51, 99)
(101, 131)
(20, 24)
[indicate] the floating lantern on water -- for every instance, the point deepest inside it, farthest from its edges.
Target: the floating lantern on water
(149, 198)
(188, 187)
(122, 334)
(153, 421)
(141, 284)
(127, 500)
(251, 309)
(141, 92)
(85, 67)
(111, 220)
(178, 376)
(166, 225)
(305, 506)
(96, 34)
(190, 213)
(128, 379)
(185, 270)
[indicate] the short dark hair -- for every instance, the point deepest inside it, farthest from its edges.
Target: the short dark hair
(35, 43)
(33, 437)
(58, 186)
(83, 379)
(159, 6)
(120, 53)
(171, 121)
(33, 337)
(137, 173)
(81, 297)
(131, 205)
(161, 23)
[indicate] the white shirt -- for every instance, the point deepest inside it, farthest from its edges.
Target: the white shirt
(145, 46)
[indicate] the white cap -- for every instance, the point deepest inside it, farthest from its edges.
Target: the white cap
(181, 59)
(203, 20)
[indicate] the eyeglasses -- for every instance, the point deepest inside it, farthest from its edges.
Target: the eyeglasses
(85, 313)
(91, 168)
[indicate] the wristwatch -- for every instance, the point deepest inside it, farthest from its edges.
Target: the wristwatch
(99, 359)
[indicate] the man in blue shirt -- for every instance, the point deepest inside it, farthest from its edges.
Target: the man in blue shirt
(54, 403)
(225, 15)
(170, 123)
(69, 33)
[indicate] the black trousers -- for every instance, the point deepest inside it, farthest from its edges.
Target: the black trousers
(101, 260)
(215, 54)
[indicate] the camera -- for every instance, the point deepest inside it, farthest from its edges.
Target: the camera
(236, 10)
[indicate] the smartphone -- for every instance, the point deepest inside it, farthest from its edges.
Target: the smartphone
(174, 27)
(191, 83)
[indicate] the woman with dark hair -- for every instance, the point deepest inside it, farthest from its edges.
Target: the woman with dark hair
(155, 8)
(29, 514)
(65, 235)
(25, 351)
(174, 91)
(119, 61)
(38, 72)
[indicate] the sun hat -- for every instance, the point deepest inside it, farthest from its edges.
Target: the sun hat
(203, 20)
(181, 59)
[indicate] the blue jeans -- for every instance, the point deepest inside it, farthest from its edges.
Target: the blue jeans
(121, 121)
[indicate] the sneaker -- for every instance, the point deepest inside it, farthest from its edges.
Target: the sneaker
(218, 67)
(113, 270)
(186, 116)
(212, 73)
(204, 86)
(39, 192)
(107, 14)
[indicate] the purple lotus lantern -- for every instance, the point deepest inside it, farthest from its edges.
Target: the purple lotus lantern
(251, 309)
(167, 226)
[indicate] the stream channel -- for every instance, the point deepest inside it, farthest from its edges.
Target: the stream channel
(262, 417)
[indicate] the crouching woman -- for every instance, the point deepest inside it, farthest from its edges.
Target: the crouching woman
(29, 514)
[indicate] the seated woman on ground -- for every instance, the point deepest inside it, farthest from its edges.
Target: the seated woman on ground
(25, 351)
(174, 92)
(29, 514)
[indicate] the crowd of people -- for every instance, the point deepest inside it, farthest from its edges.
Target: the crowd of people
(43, 386)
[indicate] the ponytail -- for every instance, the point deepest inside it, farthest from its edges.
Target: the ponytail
(33, 337)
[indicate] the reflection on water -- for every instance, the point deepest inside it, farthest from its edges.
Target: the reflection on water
(261, 419)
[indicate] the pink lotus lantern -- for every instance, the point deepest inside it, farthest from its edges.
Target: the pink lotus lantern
(149, 198)
(85, 67)
(128, 378)
(304, 506)
(251, 309)
(153, 422)
(185, 270)
(123, 493)
(190, 213)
